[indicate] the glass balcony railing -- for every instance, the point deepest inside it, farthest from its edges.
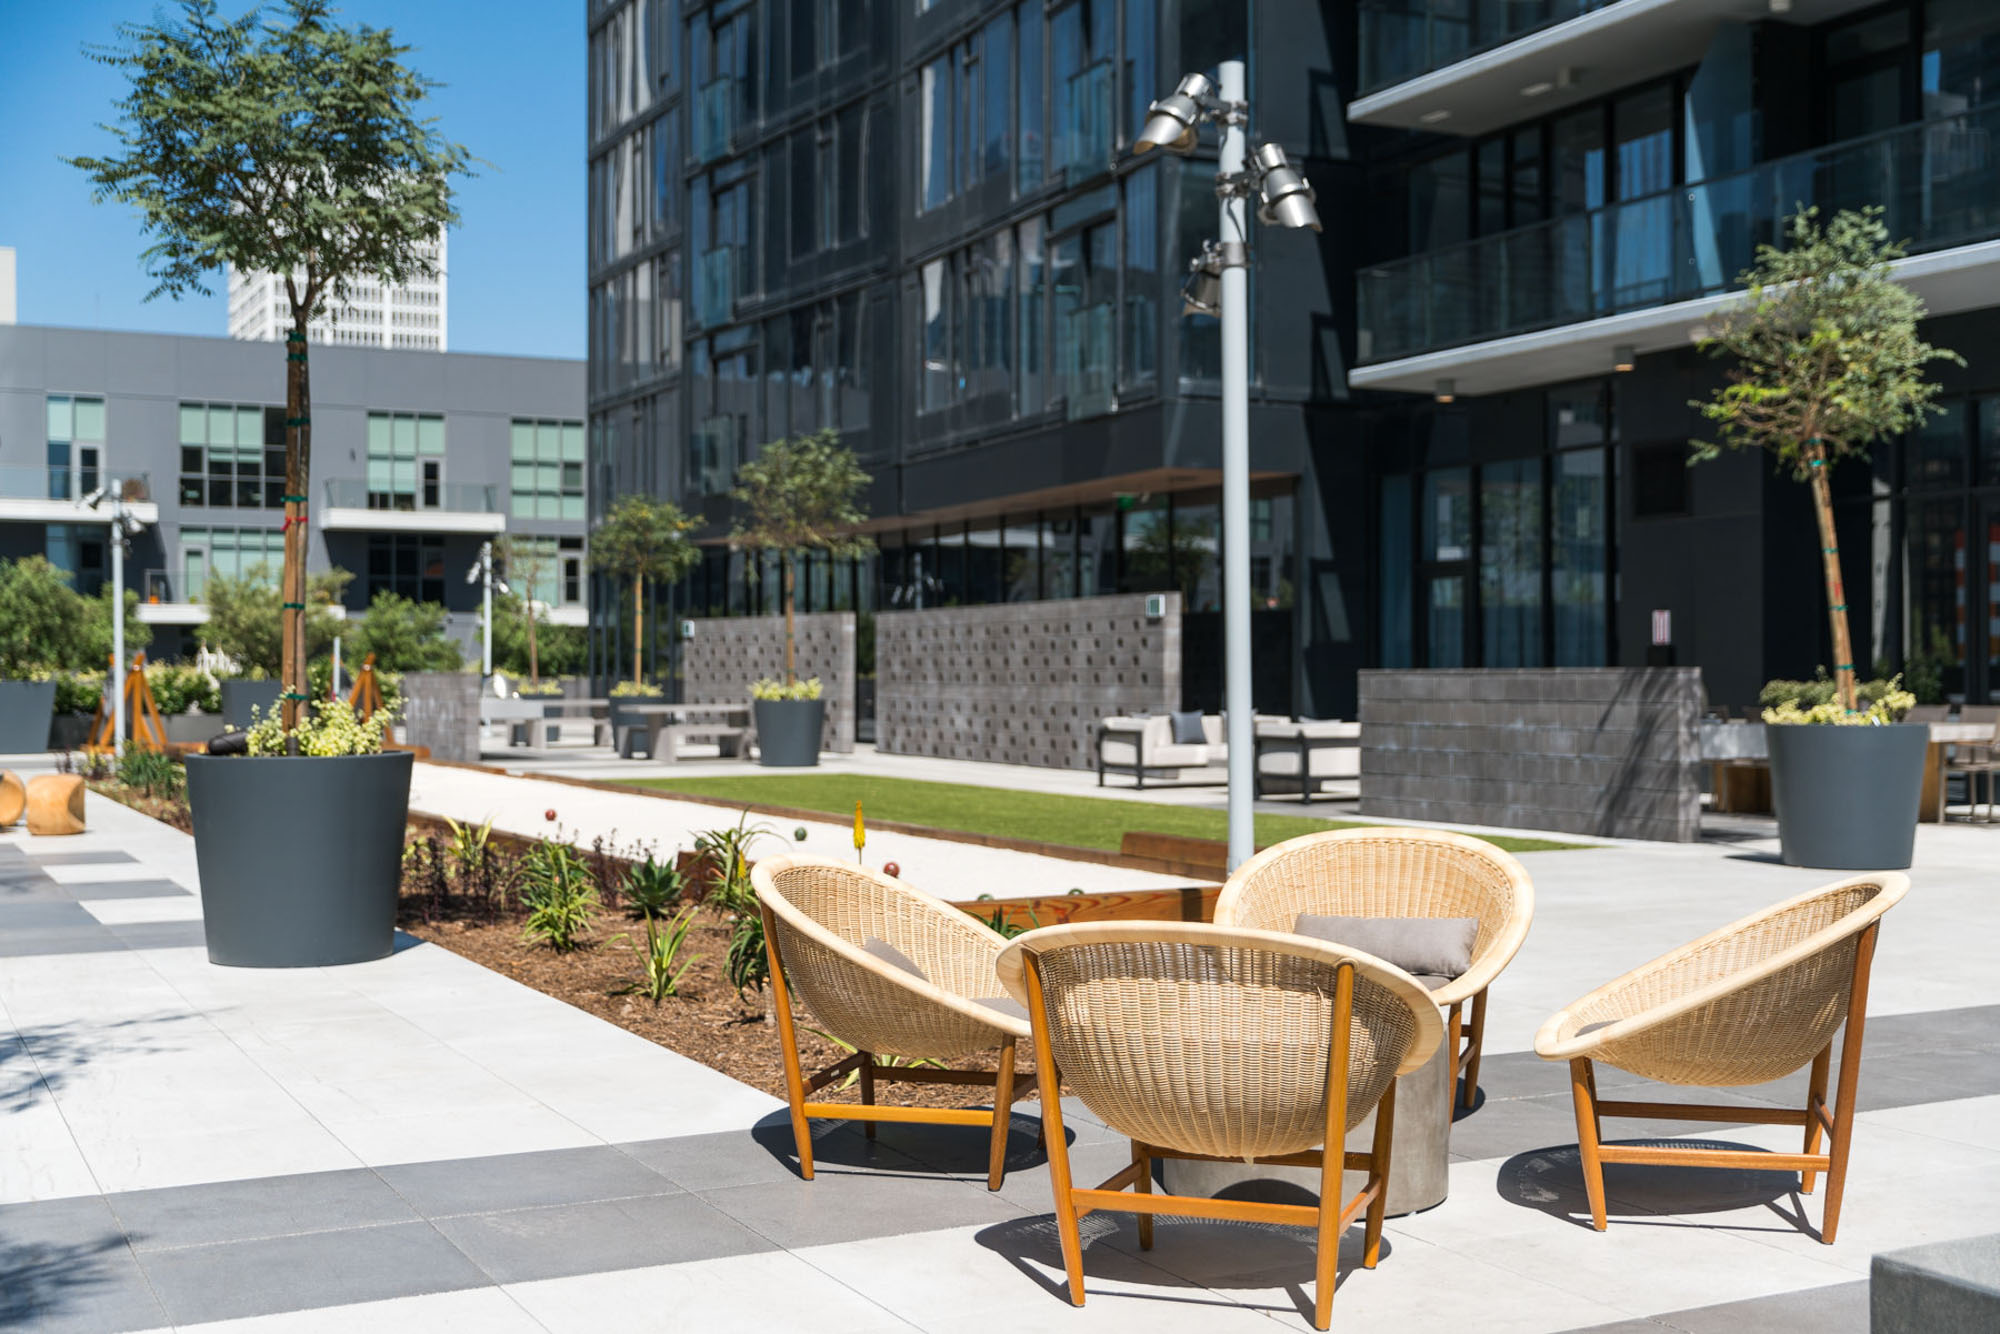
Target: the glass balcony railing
(72, 482)
(1938, 183)
(717, 284)
(455, 497)
(715, 117)
(1086, 130)
(1401, 39)
(1088, 360)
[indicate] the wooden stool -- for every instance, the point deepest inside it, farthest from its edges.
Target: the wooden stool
(55, 804)
(13, 797)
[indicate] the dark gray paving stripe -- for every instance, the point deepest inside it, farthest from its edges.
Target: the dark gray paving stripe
(1907, 1059)
(126, 889)
(102, 857)
(1841, 1308)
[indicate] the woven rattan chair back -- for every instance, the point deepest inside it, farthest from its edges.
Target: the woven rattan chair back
(825, 912)
(1747, 1004)
(1212, 1040)
(1389, 872)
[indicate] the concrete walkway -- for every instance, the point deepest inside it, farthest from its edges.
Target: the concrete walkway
(950, 869)
(419, 1144)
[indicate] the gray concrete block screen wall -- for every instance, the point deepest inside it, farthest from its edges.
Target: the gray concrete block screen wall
(1606, 751)
(727, 653)
(1022, 683)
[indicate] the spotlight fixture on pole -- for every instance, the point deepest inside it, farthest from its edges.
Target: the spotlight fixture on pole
(1218, 284)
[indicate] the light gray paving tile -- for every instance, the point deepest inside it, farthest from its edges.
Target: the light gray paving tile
(846, 1205)
(524, 1245)
(523, 1181)
(1839, 1308)
(126, 889)
(248, 1278)
(64, 1265)
(261, 1207)
(159, 935)
(20, 943)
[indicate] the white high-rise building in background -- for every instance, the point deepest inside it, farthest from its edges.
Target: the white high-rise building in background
(7, 308)
(376, 314)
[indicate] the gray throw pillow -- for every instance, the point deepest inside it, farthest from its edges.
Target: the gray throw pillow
(1187, 728)
(889, 954)
(1438, 947)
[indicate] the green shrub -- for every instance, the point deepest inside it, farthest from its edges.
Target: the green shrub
(179, 686)
(327, 728)
(557, 891)
(77, 692)
(152, 773)
(662, 955)
(772, 688)
(653, 886)
(635, 690)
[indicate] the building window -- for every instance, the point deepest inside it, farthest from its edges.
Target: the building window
(1080, 39)
(405, 461)
(75, 446)
(410, 565)
(1142, 276)
(1510, 563)
(256, 554)
(232, 456)
(548, 570)
(547, 474)
(1030, 163)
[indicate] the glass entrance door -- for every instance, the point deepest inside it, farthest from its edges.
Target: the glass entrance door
(1445, 571)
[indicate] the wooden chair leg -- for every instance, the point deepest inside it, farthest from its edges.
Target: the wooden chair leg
(1850, 1080)
(1333, 1152)
(1477, 1045)
(1144, 1185)
(788, 1043)
(1059, 1179)
(1453, 1037)
(1378, 1176)
(1003, 1117)
(1583, 1088)
(1815, 1099)
(867, 1089)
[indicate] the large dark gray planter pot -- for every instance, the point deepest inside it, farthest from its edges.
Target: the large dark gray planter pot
(788, 731)
(300, 858)
(239, 697)
(70, 731)
(189, 728)
(25, 710)
(1847, 797)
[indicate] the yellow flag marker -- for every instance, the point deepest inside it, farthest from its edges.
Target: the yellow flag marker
(860, 832)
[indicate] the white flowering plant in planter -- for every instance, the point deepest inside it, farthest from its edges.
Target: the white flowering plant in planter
(328, 729)
(772, 688)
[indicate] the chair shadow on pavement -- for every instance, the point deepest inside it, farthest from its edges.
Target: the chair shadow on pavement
(40, 1281)
(1197, 1261)
(902, 1146)
(1551, 1180)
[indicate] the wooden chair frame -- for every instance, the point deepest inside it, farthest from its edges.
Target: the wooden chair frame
(1008, 1086)
(1815, 1118)
(1465, 1040)
(1329, 1218)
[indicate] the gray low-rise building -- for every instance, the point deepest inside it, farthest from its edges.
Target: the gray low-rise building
(418, 457)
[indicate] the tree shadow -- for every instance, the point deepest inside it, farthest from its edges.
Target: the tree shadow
(45, 1056)
(39, 1279)
(1551, 1180)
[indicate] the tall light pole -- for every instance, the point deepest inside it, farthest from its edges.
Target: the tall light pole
(482, 574)
(122, 525)
(1218, 284)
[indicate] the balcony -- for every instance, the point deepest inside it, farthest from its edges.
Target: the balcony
(35, 493)
(717, 284)
(173, 596)
(1939, 182)
(429, 507)
(1472, 66)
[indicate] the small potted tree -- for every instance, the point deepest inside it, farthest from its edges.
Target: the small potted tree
(1828, 361)
(293, 145)
(641, 538)
(798, 495)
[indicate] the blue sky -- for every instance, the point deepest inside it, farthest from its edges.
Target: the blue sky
(513, 72)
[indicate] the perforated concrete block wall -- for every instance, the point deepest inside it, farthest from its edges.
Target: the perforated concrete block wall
(1024, 682)
(1612, 751)
(441, 711)
(728, 653)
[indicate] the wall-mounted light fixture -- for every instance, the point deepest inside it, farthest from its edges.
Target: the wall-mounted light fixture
(1446, 392)
(1624, 357)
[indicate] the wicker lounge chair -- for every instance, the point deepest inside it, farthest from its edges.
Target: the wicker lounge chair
(1207, 1042)
(1394, 872)
(1753, 1002)
(889, 971)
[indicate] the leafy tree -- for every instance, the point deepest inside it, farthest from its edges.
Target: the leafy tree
(525, 565)
(801, 495)
(246, 623)
(562, 651)
(292, 145)
(640, 539)
(1827, 361)
(41, 618)
(406, 636)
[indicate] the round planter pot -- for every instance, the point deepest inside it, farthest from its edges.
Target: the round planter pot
(240, 697)
(70, 731)
(300, 858)
(788, 731)
(189, 728)
(26, 709)
(1846, 797)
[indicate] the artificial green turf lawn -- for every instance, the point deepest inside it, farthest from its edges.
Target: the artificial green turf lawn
(1077, 822)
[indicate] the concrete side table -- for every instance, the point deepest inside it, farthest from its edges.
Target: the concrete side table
(1947, 1287)
(1419, 1150)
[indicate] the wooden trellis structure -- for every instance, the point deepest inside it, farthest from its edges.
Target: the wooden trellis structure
(149, 731)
